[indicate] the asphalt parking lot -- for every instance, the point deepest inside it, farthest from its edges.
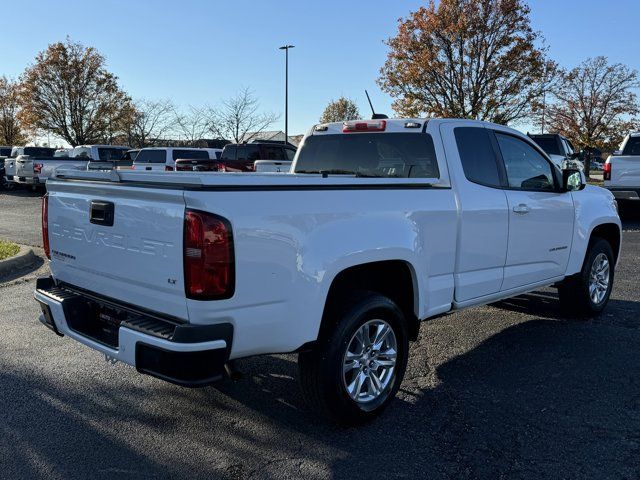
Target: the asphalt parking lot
(512, 390)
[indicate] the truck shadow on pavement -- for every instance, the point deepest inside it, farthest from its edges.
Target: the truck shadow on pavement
(51, 433)
(543, 398)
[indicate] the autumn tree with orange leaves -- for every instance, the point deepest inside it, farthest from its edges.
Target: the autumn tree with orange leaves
(69, 93)
(595, 104)
(11, 132)
(476, 59)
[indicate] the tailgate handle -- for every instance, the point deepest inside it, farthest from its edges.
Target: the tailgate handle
(101, 213)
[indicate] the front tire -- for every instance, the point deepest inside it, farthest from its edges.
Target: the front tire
(587, 293)
(358, 364)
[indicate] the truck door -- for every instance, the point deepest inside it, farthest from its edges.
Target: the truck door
(541, 217)
(483, 218)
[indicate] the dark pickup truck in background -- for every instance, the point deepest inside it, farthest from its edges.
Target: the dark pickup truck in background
(241, 157)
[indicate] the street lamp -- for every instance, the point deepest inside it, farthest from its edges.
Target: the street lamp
(286, 91)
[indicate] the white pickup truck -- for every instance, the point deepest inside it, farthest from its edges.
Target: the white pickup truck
(381, 225)
(622, 170)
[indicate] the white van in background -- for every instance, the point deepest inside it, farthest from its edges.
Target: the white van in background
(164, 158)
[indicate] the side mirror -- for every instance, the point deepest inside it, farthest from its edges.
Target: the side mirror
(617, 153)
(574, 155)
(573, 180)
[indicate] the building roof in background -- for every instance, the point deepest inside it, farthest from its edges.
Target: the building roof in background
(272, 135)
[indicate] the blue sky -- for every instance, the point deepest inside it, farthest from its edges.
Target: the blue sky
(197, 52)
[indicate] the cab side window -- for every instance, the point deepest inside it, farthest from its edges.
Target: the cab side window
(526, 168)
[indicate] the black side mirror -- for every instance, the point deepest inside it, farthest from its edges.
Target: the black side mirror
(573, 180)
(574, 155)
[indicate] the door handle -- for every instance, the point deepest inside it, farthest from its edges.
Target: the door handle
(147, 168)
(521, 209)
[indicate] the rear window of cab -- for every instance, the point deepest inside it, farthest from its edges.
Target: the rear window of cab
(390, 155)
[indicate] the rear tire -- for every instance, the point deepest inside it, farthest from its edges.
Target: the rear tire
(348, 378)
(587, 293)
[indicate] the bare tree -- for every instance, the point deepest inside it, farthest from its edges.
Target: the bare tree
(466, 58)
(595, 104)
(10, 129)
(239, 116)
(69, 93)
(192, 125)
(340, 110)
(150, 121)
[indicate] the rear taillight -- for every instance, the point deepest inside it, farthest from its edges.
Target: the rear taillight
(219, 167)
(208, 257)
(168, 168)
(45, 226)
(607, 171)
(37, 168)
(364, 126)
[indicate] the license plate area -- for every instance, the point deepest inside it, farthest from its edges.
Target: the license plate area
(95, 321)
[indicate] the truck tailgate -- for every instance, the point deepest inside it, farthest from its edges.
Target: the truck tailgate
(24, 167)
(119, 241)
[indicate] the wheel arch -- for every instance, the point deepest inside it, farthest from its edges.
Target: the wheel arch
(611, 233)
(395, 279)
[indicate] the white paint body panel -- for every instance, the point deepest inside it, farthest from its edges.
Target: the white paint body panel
(540, 239)
(293, 234)
(272, 166)
(24, 172)
(625, 171)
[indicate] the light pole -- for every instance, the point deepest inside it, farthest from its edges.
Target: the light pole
(286, 91)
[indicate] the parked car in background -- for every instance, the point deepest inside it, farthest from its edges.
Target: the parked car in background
(99, 152)
(125, 162)
(36, 164)
(4, 153)
(11, 165)
(164, 158)
(198, 165)
(622, 169)
(241, 157)
(559, 149)
(384, 223)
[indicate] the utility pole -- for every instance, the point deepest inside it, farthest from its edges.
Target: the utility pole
(286, 91)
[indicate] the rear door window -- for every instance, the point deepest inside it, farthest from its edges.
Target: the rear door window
(190, 154)
(5, 152)
(151, 156)
(478, 156)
